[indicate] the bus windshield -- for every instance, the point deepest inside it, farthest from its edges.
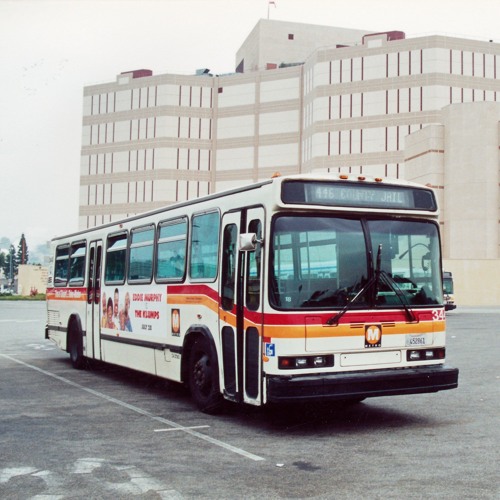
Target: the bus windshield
(329, 262)
(448, 284)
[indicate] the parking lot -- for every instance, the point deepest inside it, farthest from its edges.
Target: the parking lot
(107, 432)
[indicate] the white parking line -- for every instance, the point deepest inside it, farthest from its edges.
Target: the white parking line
(140, 411)
(182, 428)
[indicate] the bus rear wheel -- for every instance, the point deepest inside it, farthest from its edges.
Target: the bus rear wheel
(203, 378)
(75, 349)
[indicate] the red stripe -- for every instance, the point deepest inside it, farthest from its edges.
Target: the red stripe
(300, 318)
(347, 318)
(193, 290)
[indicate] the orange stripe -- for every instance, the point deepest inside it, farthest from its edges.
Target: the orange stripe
(343, 330)
(193, 300)
(75, 294)
(298, 330)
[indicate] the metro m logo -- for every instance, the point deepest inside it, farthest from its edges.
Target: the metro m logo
(373, 335)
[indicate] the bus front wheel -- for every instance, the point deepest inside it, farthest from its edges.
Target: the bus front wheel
(203, 378)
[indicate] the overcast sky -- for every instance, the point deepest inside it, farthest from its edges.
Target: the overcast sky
(50, 50)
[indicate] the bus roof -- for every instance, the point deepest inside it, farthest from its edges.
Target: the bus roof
(277, 180)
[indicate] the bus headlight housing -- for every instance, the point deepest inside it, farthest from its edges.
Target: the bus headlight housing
(299, 362)
(425, 354)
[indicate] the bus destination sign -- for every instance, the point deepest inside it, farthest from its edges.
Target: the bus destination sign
(345, 194)
(339, 194)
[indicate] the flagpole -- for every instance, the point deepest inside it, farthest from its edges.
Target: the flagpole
(269, 2)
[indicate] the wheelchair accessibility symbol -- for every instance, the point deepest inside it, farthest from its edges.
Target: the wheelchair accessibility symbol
(270, 351)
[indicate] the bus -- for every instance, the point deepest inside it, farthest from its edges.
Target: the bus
(298, 288)
(449, 297)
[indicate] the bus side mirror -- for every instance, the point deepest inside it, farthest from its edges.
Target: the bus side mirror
(248, 242)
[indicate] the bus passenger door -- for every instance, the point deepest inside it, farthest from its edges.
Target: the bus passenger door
(93, 349)
(240, 308)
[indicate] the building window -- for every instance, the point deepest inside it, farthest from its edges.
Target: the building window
(290, 36)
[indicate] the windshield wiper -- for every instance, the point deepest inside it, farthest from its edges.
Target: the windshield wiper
(374, 280)
(400, 295)
(378, 276)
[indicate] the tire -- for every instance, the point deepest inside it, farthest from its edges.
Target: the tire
(204, 378)
(75, 349)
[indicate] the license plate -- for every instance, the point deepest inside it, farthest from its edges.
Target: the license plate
(416, 340)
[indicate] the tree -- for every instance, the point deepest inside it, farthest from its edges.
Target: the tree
(22, 252)
(5, 255)
(10, 266)
(3, 260)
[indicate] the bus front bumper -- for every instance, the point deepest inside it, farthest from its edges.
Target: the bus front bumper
(361, 384)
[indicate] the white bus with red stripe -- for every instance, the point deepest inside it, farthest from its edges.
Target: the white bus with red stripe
(299, 288)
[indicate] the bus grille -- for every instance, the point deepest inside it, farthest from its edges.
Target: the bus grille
(53, 317)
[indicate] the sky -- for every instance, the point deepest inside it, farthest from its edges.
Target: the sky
(51, 49)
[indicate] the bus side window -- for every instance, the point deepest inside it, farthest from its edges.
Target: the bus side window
(116, 259)
(141, 254)
(77, 264)
(253, 268)
(171, 250)
(228, 275)
(61, 266)
(204, 246)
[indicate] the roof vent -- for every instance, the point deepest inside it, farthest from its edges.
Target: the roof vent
(203, 72)
(138, 73)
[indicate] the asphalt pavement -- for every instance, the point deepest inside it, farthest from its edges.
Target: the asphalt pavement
(107, 432)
